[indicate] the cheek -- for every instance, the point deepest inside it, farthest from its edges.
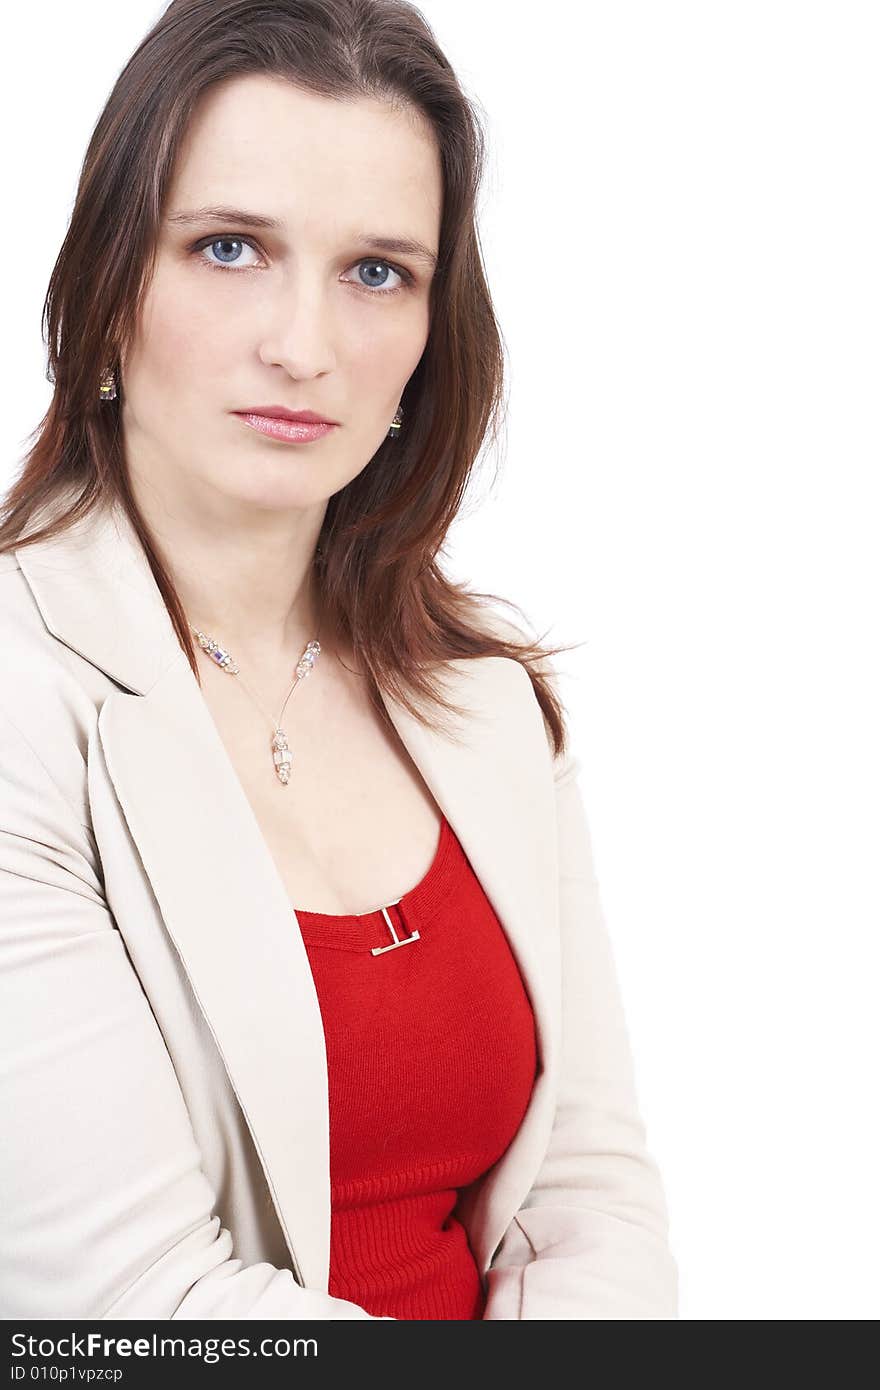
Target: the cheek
(184, 331)
(386, 348)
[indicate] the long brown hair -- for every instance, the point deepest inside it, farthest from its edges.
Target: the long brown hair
(380, 581)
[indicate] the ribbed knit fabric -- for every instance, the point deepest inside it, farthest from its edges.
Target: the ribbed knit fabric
(431, 1056)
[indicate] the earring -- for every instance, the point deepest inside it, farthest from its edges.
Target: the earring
(394, 428)
(107, 388)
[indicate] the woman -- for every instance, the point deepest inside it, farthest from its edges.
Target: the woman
(308, 1005)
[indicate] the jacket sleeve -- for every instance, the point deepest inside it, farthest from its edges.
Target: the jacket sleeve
(104, 1200)
(590, 1240)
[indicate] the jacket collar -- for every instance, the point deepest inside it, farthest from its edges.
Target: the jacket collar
(96, 593)
(157, 750)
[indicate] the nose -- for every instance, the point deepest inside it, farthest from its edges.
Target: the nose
(301, 335)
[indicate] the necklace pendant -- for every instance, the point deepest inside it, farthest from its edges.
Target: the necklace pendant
(216, 652)
(281, 756)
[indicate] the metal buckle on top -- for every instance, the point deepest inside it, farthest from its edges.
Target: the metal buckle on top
(398, 941)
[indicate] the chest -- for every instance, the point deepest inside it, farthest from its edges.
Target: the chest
(356, 826)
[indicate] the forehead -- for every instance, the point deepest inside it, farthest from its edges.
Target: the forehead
(312, 162)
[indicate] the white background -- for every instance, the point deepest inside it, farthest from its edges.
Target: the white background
(680, 225)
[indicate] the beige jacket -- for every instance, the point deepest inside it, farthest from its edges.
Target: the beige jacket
(163, 1075)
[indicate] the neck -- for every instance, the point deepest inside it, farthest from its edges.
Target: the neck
(245, 575)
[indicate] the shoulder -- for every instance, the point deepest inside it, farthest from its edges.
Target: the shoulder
(45, 700)
(29, 648)
(497, 624)
(521, 633)
(565, 764)
(23, 633)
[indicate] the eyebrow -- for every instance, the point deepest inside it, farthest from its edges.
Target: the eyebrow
(402, 246)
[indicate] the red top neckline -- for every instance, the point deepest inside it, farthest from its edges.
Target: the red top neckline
(421, 900)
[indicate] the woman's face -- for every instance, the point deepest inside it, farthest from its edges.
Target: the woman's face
(312, 313)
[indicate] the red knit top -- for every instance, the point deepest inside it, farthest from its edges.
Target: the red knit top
(431, 1056)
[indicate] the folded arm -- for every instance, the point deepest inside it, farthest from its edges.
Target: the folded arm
(590, 1240)
(107, 1211)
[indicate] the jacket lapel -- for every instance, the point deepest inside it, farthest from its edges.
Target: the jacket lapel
(225, 905)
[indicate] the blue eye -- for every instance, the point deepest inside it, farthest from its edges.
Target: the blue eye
(229, 244)
(230, 250)
(372, 262)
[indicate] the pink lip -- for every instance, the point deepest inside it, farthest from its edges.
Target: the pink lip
(291, 431)
(283, 412)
